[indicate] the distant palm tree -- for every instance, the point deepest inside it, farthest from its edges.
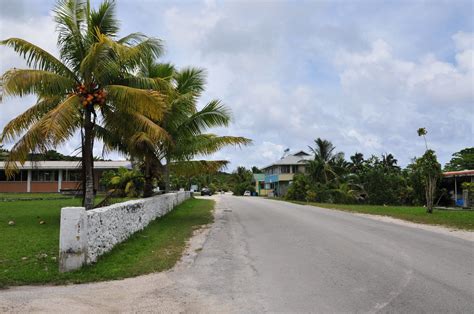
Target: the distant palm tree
(357, 162)
(91, 85)
(389, 162)
(323, 167)
(423, 132)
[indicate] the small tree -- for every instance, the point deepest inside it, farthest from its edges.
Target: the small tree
(430, 171)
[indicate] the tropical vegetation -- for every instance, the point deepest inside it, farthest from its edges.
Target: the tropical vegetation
(111, 89)
(329, 178)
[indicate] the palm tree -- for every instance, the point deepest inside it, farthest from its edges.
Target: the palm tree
(91, 85)
(389, 162)
(324, 167)
(423, 132)
(179, 133)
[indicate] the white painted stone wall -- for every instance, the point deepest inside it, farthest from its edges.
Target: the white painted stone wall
(85, 235)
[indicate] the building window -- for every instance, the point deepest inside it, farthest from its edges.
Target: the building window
(73, 175)
(44, 175)
(285, 169)
(22, 175)
(294, 168)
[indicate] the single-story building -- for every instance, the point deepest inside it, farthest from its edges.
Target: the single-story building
(279, 175)
(452, 181)
(52, 176)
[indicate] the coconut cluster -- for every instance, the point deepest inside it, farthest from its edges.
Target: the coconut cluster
(91, 96)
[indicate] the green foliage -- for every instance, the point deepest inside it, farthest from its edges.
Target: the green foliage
(124, 182)
(422, 132)
(242, 180)
(240, 188)
(299, 188)
(376, 180)
(88, 89)
(430, 172)
(468, 186)
(462, 160)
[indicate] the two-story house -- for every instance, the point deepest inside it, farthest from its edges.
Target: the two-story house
(279, 175)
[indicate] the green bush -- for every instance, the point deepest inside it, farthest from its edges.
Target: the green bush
(240, 188)
(298, 189)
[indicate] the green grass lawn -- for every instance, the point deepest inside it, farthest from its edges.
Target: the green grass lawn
(29, 250)
(462, 219)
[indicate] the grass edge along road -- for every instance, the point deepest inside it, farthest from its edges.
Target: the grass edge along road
(455, 219)
(32, 258)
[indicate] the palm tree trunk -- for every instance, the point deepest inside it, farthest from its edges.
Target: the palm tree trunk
(148, 188)
(88, 162)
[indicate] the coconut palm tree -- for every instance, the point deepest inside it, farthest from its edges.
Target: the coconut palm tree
(91, 85)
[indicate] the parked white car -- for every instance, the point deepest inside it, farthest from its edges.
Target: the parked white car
(247, 193)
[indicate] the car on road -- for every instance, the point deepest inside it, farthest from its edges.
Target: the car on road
(247, 193)
(206, 191)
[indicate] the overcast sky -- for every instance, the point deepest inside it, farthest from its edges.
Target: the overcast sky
(362, 74)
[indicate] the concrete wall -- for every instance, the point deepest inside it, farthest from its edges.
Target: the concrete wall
(85, 235)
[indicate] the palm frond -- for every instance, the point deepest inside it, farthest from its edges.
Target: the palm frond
(22, 82)
(132, 39)
(33, 139)
(38, 58)
(127, 99)
(141, 83)
(140, 144)
(206, 144)
(70, 16)
(153, 130)
(190, 80)
(61, 122)
(99, 63)
(212, 115)
(104, 20)
(196, 167)
(157, 70)
(25, 120)
(132, 56)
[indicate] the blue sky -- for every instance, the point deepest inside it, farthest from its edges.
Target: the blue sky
(363, 74)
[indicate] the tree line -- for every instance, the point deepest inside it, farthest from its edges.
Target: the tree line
(379, 180)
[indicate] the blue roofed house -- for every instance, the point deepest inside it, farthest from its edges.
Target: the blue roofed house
(279, 175)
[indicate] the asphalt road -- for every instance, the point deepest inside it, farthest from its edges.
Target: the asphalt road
(270, 256)
(281, 257)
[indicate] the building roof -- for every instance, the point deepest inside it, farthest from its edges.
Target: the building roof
(294, 159)
(40, 165)
(461, 173)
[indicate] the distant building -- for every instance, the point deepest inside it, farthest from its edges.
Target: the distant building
(452, 181)
(278, 176)
(52, 176)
